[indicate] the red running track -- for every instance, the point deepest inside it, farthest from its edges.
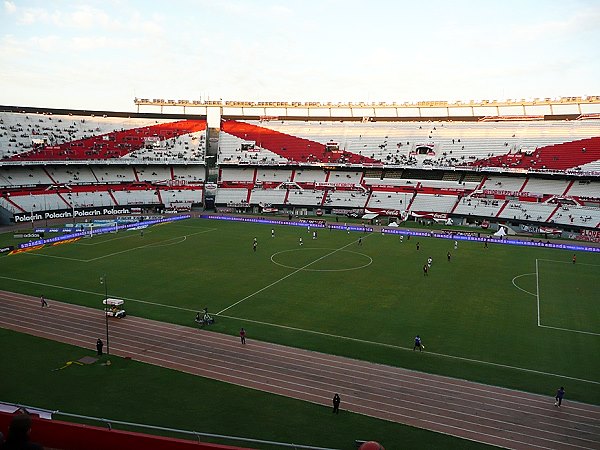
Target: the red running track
(489, 414)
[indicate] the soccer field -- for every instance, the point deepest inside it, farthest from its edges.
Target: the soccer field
(515, 316)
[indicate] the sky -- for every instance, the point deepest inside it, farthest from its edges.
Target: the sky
(102, 54)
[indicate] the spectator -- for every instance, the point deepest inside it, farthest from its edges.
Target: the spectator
(18, 434)
(559, 396)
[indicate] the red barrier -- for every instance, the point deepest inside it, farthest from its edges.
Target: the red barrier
(71, 436)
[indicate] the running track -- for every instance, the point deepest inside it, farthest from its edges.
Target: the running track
(478, 412)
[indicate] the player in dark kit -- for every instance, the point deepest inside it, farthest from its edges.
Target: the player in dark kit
(418, 344)
(559, 396)
(336, 404)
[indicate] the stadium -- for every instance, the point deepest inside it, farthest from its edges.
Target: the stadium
(346, 171)
(196, 273)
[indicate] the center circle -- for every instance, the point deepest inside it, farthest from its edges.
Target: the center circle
(332, 251)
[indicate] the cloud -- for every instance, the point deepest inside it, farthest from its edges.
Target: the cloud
(87, 18)
(9, 7)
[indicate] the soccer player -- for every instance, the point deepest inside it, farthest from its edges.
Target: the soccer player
(455, 245)
(425, 269)
(360, 241)
(301, 242)
(575, 259)
(449, 256)
(429, 261)
(314, 234)
(418, 344)
(254, 244)
(272, 233)
(418, 246)
(401, 238)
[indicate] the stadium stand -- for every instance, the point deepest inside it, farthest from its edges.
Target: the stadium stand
(305, 197)
(268, 196)
(433, 203)
(42, 137)
(521, 168)
(310, 176)
(531, 144)
(232, 196)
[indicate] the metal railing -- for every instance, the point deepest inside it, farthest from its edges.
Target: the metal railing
(196, 434)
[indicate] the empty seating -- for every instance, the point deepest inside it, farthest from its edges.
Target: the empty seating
(389, 200)
(180, 196)
(346, 199)
(483, 207)
(529, 211)
(305, 197)
(43, 137)
(310, 176)
(433, 203)
(231, 195)
(235, 174)
(535, 145)
(268, 196)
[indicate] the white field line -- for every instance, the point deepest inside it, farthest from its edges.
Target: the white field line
(442, 355)
(104, 241)
(520, 288)
(153, 244)
(570, 330)
(42, 255)
(163, 243)
(569, 262)
(97, 293)
(287, 276)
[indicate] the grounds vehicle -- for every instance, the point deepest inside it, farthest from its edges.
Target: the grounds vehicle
(113, 307)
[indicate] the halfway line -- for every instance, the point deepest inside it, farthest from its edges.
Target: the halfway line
(287, 276)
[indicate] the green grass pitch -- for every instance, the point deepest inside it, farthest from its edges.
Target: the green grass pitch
(477, 313)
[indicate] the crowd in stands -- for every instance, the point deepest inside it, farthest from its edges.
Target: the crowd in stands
(511, 144)
(390, 162)
(67, 137)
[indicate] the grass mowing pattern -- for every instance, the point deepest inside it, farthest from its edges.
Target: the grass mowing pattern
(467, 307)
